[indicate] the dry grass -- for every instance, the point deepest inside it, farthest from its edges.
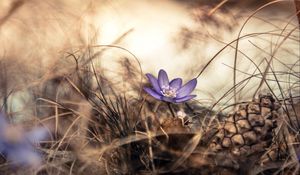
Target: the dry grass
(103, 123)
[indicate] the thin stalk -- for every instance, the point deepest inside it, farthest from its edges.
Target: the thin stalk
(171, 109)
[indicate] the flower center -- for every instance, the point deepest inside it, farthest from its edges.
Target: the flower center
(168, 91)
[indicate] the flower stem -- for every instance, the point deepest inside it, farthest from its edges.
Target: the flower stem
(171, 109)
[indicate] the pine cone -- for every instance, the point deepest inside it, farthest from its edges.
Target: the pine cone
(249, 130)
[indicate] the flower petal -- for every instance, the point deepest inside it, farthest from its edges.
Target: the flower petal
(163, 79)
(176, 83)
(187, 88)
(37, 135)
(153, 93)
(186, 98)
(168, 99)
(3, 122)
(153, 82)
(24, 155)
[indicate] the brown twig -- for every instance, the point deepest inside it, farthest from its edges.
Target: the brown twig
(297, 4)
(217, 7)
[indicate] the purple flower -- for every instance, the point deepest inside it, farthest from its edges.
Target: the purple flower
(172, 91)
(298, 154)
(18, 146)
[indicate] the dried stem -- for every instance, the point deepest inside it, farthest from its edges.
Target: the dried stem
(297, 4)
(171, 109)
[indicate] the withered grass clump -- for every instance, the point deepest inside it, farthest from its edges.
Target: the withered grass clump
(102, 122)
(99, 128)
(102, 125)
